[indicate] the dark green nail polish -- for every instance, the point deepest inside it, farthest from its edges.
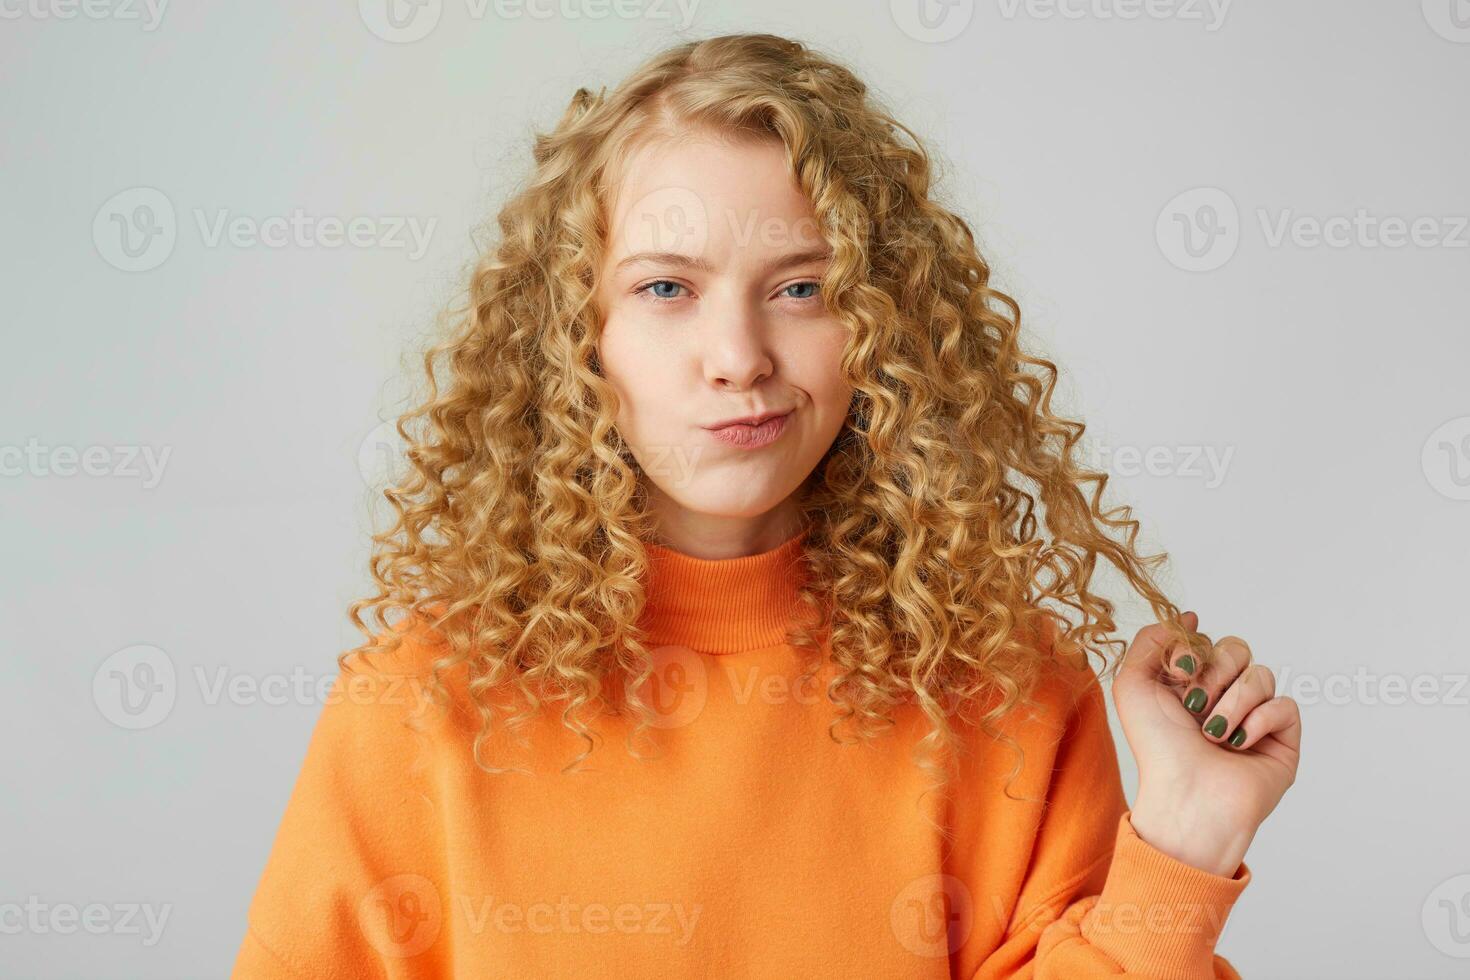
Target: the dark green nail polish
(1215, 727)
(1185, 663)
(1195, 700)
(1238, 739)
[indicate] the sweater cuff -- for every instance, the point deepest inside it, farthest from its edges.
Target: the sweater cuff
(1157, 916)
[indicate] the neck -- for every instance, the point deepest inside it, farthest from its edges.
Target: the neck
(723, 605)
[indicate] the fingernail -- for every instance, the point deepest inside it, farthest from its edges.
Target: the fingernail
(1238, 739)
(1195, 700)
(1185, 663)
(1215, 727)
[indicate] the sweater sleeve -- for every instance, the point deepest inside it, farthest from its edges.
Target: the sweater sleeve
(342, 894)
(1098, 900)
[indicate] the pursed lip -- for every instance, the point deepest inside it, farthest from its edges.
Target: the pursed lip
(749, 419)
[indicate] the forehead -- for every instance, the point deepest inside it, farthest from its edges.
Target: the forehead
(708, 194)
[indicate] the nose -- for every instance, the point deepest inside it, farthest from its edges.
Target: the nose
(737, 352)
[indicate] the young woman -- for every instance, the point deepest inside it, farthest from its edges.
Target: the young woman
(737, 616)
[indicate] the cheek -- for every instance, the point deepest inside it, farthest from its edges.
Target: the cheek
(634, 373)
(821, 370)
(619, 357)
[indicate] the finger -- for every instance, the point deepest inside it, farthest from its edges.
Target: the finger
(1255, 685)
(1280, 716)
(1231, 655)
(1147, 657)
(1182, 664)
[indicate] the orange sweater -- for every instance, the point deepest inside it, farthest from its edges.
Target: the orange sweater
(753, 846)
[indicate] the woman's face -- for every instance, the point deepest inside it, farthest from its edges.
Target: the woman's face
(711, 293)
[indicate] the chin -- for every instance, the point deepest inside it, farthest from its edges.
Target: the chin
(727, 501)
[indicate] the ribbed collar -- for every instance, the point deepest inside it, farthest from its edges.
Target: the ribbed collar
(723, 605)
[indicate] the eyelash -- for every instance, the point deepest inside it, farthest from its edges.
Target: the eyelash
(644, 289)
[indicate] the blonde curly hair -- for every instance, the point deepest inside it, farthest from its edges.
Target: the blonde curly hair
(948, 528)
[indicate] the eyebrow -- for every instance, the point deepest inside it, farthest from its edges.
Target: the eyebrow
(695, 262)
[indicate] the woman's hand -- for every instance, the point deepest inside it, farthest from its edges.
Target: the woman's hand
(1201, 795)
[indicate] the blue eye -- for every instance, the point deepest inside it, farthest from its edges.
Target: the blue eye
(649, 288)
(665, 290)
(801, 285)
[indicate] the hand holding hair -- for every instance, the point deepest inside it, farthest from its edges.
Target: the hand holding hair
(1216, 749)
